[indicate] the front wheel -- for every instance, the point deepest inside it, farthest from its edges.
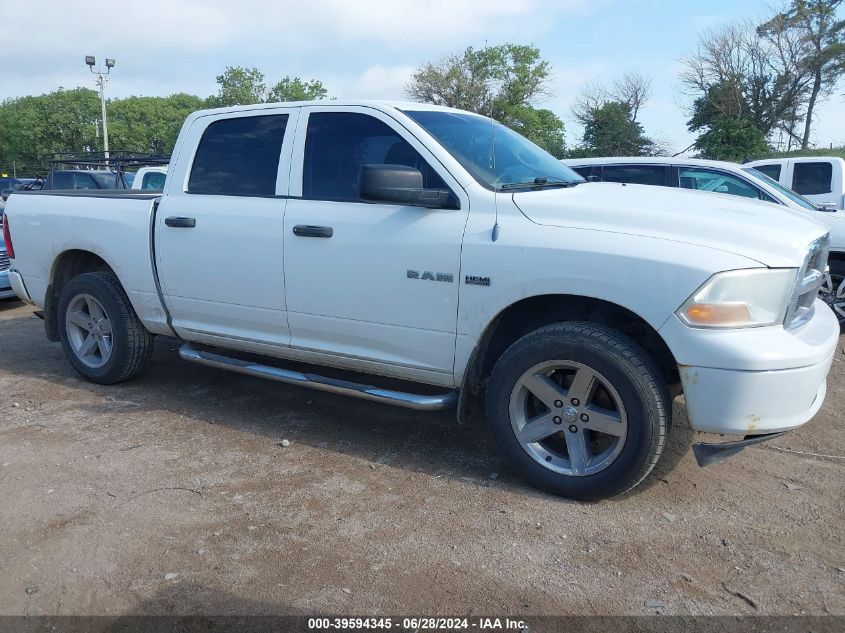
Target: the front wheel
(101, 335)
(578, 410)
(832, 291)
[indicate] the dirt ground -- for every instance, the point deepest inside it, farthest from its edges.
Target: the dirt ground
(172, 494)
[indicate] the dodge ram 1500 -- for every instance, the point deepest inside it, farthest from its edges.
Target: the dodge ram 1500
(440, 248)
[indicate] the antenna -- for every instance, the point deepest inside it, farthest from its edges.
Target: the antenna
(495, 234)
(490, 114)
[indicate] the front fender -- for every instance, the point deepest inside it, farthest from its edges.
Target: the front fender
(648, 276)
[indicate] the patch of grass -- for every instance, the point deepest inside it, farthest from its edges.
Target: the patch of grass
(836, 151)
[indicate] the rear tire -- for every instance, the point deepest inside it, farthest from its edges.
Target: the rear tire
(100, 333)
(579, 410)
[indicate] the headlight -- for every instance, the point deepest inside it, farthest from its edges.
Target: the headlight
(741, 298)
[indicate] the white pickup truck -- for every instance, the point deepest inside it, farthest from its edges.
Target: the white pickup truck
(820, 179)
(447, 253)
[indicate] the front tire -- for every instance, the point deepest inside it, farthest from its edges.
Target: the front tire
(579, 410)
(100, 333)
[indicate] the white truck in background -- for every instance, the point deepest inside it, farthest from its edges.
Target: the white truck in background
(150, 178)
(820, 179)
(434, 246)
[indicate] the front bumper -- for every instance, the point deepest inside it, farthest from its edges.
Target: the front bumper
(753, 402)
(755, 381)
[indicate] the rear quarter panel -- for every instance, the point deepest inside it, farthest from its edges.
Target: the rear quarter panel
(117, 229)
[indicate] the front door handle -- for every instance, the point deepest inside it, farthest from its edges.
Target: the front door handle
(306, 230)
(184, 223)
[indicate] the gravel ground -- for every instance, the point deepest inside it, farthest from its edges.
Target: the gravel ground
(175, 494)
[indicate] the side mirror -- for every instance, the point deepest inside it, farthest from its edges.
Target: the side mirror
(398, 184)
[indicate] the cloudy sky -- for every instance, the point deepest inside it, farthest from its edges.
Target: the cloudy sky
(369, 48)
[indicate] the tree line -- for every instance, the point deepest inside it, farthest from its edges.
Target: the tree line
(751, 88)
(69, 120)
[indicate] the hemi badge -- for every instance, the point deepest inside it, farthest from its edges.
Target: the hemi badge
(475, 280)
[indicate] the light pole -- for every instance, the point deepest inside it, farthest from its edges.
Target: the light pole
(101, 82)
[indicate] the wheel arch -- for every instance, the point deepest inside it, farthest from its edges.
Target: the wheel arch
(836, 265)
(67, 265)
(531, 313)
(837, 256)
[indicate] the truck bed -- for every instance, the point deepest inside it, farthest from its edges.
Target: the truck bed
(115, 225)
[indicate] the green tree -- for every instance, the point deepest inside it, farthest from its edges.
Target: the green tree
(239, 86)
(244, 86)
(456, 81)
(817, 34)
(149, 124)
(505, 82)
(608, 114)
(68, 120)
(610, 130)
(294, 89)
(64, 120)
(632, 88)
(746, 76)
(541, 126)
(731, 138)
(725, 99)
(726, 126)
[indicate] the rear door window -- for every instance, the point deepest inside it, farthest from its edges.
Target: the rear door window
(810, 179)
(588, 171)
(62, 181)
(772, 170)
(636, 174)
(85, 181)
(239, 156)
(716, 181)
(154, 180)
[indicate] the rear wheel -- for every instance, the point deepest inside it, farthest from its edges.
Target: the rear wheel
(579, 410)
(832, 291)
(101, 335)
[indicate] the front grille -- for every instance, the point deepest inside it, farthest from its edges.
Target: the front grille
(810, 279)
(5, 264)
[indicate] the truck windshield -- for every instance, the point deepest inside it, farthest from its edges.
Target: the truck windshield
(797, 199)
(496, 156)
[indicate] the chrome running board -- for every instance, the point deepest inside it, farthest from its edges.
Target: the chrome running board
(322, 383)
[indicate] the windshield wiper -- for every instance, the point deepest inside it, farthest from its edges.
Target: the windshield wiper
(540, 182)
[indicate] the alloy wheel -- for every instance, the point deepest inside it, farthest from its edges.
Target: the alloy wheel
(832, 292)
(89, 330)
(568, 417)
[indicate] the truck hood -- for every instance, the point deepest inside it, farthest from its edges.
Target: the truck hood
(773, 235)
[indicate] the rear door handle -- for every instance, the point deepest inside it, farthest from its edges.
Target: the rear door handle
(184, 223)
(306, 230)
